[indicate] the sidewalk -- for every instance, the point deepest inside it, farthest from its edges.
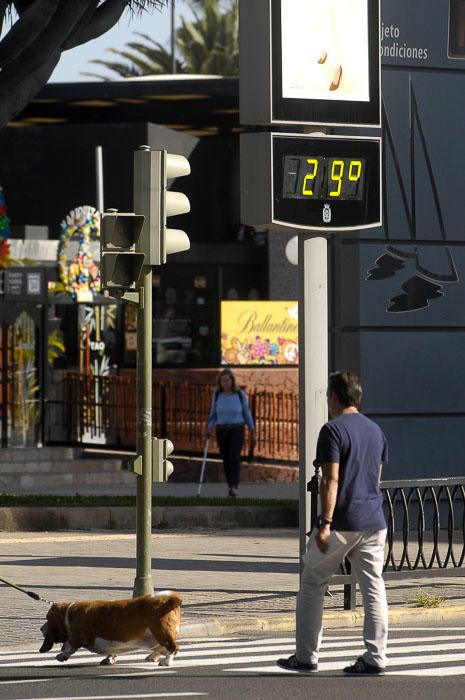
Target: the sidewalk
(281, 490)
(232, 580)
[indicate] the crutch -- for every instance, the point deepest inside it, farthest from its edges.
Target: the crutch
(202, 471)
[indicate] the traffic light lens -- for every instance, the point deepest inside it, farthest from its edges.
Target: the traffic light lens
(122, 269)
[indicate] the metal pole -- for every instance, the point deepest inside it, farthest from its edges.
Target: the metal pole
(313, 371)
(99, 177)
(143, 582)
(173, 42)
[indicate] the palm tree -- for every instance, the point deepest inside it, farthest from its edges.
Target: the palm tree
(40, 31)
(209, 44)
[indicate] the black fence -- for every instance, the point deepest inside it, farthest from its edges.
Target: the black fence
(425, 534)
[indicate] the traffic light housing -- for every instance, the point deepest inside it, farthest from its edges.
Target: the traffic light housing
(152, 171)
(162, 468)
(120, 261)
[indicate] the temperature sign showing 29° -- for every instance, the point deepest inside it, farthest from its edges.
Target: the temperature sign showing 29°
(318, 177)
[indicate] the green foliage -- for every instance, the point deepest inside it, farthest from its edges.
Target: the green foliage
(425, 600)
(207, 45)
(55, 345)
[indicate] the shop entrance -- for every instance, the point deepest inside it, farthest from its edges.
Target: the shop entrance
(21, 393)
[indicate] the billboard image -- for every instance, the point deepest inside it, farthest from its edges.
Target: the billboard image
(325, 50)
(259, 333)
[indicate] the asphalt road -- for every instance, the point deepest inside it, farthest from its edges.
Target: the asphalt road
(425, 662)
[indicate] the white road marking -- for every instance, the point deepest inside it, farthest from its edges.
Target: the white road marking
(260, 655)
(426, 629)
(108, 676)
(29, 680)
(441, 671)
(338, 665)
(124, 697)
(217, 657)
(209, 649)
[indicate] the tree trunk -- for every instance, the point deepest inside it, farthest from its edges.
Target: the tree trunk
(103, 19)
(26, 29)
(32, 48)
(27, 90)
(19, 80)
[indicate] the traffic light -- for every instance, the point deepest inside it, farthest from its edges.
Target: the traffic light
(152, 171)
(120, 261)
(162, 468)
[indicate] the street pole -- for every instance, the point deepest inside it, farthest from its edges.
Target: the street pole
(173, 41)
(99, 177)
(313, 369)
(143, 584)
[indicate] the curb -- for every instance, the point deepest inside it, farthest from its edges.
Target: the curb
(40, 518)
(331, 620)
(286, 623)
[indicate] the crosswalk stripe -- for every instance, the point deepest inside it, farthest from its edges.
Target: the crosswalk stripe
(220, 656)
(51, 679)
(27, 680)
(393, 661)
(243, 647)
(259, 656)
(128, 697)
(427, 629)
(181, 640)
(440, 671)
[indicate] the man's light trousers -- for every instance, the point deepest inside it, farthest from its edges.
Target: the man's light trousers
(366, 553)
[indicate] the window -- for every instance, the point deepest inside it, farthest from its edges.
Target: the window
(457, 29)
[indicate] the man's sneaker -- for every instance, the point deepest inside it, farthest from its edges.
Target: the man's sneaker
(361, 668)
(293, 664)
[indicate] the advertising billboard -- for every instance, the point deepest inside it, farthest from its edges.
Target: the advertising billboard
(259, 333)
(324, 50)
(310, 62)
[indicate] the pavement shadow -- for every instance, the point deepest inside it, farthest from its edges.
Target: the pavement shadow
(226, 565)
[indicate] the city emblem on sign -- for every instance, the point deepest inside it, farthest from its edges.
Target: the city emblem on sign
(327, 213)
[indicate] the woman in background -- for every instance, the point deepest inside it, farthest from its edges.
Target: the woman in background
(230, 412)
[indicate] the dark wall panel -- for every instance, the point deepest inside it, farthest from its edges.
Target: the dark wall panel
(424, 447)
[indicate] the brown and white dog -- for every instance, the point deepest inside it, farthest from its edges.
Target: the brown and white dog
(114, 627)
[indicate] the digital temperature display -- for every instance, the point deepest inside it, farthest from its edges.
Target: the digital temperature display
(319, 177)
(311, 182)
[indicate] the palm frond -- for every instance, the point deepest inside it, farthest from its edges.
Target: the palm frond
(138, 6)
(208, 43)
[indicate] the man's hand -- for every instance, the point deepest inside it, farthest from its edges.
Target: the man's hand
(322, 537)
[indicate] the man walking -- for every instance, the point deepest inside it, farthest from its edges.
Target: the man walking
(351, 450)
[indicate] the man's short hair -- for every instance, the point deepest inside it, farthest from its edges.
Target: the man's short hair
(346, 385)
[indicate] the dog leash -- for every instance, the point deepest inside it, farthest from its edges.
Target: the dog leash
(31, 594)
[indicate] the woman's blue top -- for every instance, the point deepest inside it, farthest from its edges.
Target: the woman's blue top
(230, 409)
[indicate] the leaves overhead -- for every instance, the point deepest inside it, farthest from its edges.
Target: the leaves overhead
(208, 44)
(39, 31)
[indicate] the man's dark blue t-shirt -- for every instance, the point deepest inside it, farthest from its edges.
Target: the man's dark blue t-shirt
(359, 446)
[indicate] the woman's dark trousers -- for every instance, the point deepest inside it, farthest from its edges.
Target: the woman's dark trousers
(230, 440)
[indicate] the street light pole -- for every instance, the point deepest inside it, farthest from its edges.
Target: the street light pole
(143, 582)
(313, 365)
(173, 43)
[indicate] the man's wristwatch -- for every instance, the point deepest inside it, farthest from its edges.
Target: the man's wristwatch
(320, 521)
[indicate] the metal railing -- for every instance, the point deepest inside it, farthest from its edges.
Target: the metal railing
(96, 408)
(425, 530)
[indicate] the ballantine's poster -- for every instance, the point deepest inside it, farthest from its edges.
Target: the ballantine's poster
(259, 333)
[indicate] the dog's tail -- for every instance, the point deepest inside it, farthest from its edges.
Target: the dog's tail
(167, 601)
